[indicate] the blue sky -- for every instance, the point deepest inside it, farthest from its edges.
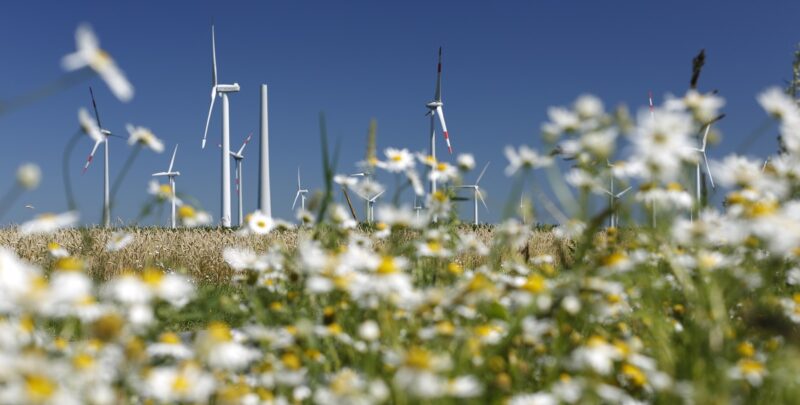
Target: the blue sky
(504, 64)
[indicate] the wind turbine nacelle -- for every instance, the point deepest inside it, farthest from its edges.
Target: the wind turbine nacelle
(167, 174)
(434, 105)
(228, 88)
(237, 156)
(105, 132)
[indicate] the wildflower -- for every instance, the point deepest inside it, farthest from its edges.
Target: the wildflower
(369, 330)
(170, 345)
(193, 218)
(663, 143)
(90, 54)
(145, 137)
(218, 347)
(89, 126)
(259, 224)
(397, 160)
(751, 370)
(704, 107)
(561, 120)
(48, 223)
(443, 172)
(118, 241)
(597, 354)
(28, 176)
(187, 383)
(162, 192)
(57, 251)
(525, 158)
(777, 103)
(539, 398)
(589, 106)
(466, 162)
(345, 180)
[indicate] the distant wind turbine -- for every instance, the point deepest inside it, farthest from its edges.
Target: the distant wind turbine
(301, 193)
(106, 133)
(434, 110)
(702, 151)
(222, 90)
(171, 176)
(476, 194)
(238, 157)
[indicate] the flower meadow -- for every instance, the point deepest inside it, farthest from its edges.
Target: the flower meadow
(699, 305)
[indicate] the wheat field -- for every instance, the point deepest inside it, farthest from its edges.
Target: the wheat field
(198, 251)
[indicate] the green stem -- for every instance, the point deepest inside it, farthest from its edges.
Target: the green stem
(65, 171)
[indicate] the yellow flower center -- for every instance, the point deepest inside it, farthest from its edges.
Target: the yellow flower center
(220, 332)
(674, 187)
(69, 264)
(181, 384)
(39, 387)
(169, 338)
(82, 361)
(418, 358)
(291, 361)
(165, 189)
(749, 366)
(761, 208)
(534, 284)
(152, 276)
(746, 349)
(614, 259)
(634, 374)
(186, 211)
(387, 266)
(396, 158)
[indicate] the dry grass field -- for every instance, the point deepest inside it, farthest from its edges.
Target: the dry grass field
(198, 251)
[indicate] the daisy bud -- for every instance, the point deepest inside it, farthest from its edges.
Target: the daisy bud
(29, 175)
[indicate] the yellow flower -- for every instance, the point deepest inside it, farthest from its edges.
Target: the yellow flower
(634, 374)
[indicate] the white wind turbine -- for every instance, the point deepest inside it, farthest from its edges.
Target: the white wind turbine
(238, 157)
(613, 219)
(222, 90)
(435, 109)
(476, 194)
(171, 176)
(702, 151)
(417, 207)
(106, 198)
(371, 206)
(301, 193)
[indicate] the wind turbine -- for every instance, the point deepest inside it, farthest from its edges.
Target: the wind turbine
(238, 157)
(106, 197)
(417, 207)
(613, 219)
(476, 194)
(435, 109)
(222, 90)
(371, 207)
(702, 150)
(171, 176)
(301, 193)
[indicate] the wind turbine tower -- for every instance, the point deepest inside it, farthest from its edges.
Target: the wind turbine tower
(222, 90)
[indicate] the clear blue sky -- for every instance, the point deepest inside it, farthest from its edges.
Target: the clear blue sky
(504, 63)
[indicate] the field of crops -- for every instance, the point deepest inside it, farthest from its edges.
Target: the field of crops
(701, 305)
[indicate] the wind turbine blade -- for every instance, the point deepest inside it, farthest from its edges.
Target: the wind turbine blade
(298, 178)
(94, 104)
(708, 170)
(623, 192)
(91, 156)
(482, 172)
(652, 109)
(210, 109)
(296, 196)
(244, 144)
(172, 161)
(440, 113)
(213, 58)
(705, 138)
(378, 195)
(438, 95)
(480, 197)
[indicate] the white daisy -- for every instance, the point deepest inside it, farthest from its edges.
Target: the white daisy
(89, 54)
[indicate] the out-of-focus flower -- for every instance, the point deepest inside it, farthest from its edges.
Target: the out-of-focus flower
(118, 241)
(259, 223)
(397, 160)
(56, 250)
(466, 162)
(29, 175)
(145, 137)
(192, 218)
(90, 54)
(47, 223)
(526, 158)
